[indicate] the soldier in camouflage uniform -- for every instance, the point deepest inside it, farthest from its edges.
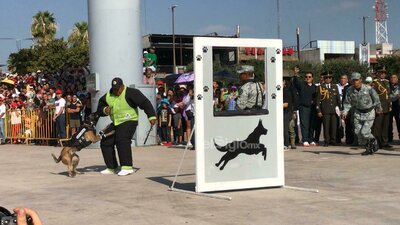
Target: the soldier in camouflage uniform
(251, 94)
(365, 102)
(381, 123)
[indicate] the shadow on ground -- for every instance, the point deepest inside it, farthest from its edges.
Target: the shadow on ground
(333, 152)
(168, 180)
(90, 169)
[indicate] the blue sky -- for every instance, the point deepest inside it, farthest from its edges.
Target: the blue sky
(328, 19)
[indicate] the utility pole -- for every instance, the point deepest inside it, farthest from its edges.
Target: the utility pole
(298, 42)
(364, 39)
(279, 19)
(173, 37)
(238, 48)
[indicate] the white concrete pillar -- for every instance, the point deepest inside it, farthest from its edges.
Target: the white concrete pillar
(115, 45)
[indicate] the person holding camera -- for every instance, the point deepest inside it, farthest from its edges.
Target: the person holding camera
(21, 216)
(24, 213)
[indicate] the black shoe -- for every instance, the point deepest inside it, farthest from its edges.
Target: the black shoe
(371, 147)
(326, 144)
(387, 146)
(367, 152)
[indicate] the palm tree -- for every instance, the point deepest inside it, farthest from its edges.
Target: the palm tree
(43, 27)
(79, 35)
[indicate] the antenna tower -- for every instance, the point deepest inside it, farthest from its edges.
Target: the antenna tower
(381, 15)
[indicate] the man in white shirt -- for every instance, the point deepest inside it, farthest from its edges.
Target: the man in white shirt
(59, 115)
(344, 81)
(2, 118)
(342, 85)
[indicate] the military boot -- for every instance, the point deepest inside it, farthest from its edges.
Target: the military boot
(292, 142)
(374, 145)
(368, 149)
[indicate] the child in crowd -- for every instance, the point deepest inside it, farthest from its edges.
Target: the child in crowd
(15, 123)
(164, 122)
(230, 101)
(178, 130)
(148, 77)
(26, 116)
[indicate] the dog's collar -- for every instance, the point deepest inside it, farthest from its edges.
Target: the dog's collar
(88, 126)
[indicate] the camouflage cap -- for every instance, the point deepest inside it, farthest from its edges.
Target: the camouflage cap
(246, 69)
(355, 76)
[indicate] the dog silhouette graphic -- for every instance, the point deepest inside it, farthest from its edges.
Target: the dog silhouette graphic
(250, 146)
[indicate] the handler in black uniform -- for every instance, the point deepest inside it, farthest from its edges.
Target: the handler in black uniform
(121, 104)
(328, 101)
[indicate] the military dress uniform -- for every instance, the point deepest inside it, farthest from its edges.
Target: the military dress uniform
(328, 99)
(381, 123)
(365, 102)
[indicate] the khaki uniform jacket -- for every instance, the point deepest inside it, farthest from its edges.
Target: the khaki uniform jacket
(327, 99)
(382, 88)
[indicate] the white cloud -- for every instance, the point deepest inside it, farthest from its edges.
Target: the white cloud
(218, 28)
(347, 5)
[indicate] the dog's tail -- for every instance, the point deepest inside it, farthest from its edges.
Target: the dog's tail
(57, 160)
(220, 148)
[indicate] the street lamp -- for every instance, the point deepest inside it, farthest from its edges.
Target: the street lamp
(279, 19)
(173, 36)
(364, 18)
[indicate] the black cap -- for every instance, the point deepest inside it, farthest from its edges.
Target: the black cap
(381, 69)
(116, 83)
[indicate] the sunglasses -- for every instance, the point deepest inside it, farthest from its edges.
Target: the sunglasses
(308, 76)
(328, 77)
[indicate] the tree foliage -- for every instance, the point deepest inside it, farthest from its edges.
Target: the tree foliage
(43, 28)
(79, 35)
(391, 64)
(78, 56)
(52, 55)
(23, 61)
(338, 67)
(53, 58)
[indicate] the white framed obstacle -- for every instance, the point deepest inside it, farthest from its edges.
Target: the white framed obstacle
(224, 159)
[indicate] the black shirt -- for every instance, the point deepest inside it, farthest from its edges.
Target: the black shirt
(306, 92)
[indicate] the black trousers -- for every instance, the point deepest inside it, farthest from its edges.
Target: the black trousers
(165, 132)
(286, 120)
(381, 127)
(350, 136)
(192, 140)
(122, 139)
(330, 123)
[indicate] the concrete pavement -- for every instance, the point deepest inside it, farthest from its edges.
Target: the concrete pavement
(353, 189)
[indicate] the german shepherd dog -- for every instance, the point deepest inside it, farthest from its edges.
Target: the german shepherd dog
(81, 139)
(250, 146)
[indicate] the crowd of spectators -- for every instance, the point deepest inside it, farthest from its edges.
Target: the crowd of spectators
(22, 94)
(312, 104)
(175, 112)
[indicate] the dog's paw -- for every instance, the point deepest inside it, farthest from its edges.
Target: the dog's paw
(72, 175)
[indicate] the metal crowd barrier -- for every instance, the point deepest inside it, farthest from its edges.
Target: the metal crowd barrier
(32, 124)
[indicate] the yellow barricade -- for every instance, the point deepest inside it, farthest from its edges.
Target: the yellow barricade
(31, 124)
